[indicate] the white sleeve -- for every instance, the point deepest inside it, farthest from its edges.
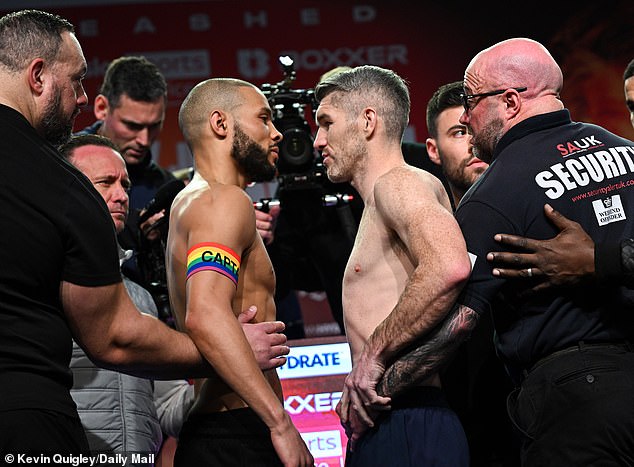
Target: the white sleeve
(172, 400)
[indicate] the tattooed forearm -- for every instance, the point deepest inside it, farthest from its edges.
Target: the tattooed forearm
(427, 357)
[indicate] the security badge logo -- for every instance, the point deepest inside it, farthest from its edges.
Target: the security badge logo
(609, 210)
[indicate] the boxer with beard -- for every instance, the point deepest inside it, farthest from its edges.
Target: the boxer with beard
(216, 262)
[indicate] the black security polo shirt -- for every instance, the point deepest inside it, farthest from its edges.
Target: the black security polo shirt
(587, 174)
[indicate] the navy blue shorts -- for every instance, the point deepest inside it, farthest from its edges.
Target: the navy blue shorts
(421, 430)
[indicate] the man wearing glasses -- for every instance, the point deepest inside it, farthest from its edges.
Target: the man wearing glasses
(571, 257)
(568, 349)
(467, 98)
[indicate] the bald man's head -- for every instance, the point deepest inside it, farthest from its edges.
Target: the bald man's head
(507, 83)
(517, 62)
(221, 94)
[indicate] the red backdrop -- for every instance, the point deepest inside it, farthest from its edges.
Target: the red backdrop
(428, 45)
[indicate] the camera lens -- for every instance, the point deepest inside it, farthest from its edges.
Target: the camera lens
(296, 147)
(296, 151)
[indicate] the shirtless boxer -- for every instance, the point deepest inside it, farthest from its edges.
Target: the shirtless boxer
(409, 263)
(216, 263)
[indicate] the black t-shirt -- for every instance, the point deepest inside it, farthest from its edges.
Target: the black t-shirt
(54, 227)
(587, 174)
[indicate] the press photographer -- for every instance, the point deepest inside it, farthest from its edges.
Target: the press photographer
(152, 241)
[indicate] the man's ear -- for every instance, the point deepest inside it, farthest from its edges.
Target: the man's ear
(101, 107)
(369, 121)
(218, 123)
(513, 102)
(432, 151)
(36, 75)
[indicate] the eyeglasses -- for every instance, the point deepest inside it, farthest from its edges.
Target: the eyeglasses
(467, 97)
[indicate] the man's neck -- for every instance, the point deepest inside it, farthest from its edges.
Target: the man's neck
(100, 131)
(374, 168)
(11, 96)
(220, 173)
(456, 194)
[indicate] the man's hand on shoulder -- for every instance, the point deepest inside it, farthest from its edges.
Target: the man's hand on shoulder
(565, 260)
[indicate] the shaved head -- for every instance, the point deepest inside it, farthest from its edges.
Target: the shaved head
(496, 76)
(221, 94)
(512, 63)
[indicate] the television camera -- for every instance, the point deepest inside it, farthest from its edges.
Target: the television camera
(299, 165)
(318, 220)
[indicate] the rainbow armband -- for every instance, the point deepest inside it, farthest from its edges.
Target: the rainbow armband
(213, 257)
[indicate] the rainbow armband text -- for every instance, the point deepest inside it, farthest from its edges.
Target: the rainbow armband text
(213, 257)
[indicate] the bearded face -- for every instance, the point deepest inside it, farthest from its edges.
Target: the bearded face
(252, 158)
(462, 174)
(56, 126)
(484, 142)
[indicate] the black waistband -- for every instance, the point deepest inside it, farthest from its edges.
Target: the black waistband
(580, 347)
(227, 423)
(420, 396)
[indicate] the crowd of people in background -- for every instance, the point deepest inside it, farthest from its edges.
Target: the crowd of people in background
(486, 295)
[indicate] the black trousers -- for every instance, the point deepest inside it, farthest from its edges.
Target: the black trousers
(576, 408)
(232, 438)
(31, 431)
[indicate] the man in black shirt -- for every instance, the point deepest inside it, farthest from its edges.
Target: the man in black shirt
(571, 257)
(574, 341)
(569, 349)
(60, 274)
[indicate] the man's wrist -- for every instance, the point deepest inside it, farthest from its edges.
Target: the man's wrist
(373, 351)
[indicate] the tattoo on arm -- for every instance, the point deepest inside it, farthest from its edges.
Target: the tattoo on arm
(430, 353)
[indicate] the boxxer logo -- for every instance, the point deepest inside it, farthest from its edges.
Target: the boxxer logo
(312, 403)
(255, 63)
